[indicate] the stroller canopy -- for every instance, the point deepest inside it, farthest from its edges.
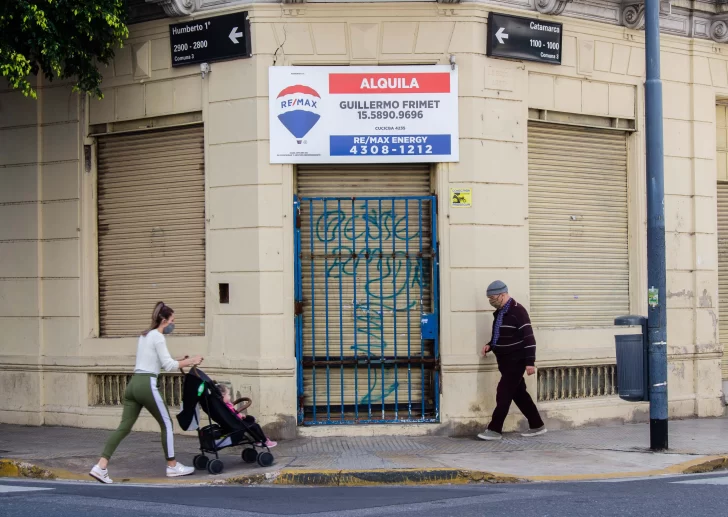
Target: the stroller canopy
(199, 389)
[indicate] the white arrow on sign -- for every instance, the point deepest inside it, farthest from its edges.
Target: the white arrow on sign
(234, 35)
(498, 35)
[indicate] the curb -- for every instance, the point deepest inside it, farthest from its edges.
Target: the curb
(360, 478)
(354, 478)
(21, 469)
(706, 466)
(702, 465)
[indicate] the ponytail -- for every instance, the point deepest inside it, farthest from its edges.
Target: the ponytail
(161, 312)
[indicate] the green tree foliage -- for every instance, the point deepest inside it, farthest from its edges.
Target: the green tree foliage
(60, 39)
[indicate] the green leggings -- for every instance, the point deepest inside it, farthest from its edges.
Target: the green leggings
(142, 392)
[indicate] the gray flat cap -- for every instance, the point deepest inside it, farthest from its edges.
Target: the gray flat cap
(497, 288)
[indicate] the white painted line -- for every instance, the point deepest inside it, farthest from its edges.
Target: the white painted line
(6, 489)
(705, 481)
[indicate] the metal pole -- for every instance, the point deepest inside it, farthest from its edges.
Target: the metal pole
(657, 313)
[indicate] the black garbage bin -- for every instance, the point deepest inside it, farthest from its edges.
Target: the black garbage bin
(632, 375)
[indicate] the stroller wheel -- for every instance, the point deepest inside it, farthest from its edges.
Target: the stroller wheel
(250, 455)
(200, 462)
(265, 459)
(215, 467)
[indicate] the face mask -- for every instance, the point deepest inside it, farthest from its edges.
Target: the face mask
(168, 329)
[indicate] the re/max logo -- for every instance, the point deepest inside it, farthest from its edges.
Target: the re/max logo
(298, 102)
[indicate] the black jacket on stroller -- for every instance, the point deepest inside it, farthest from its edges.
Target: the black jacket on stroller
(224, 428)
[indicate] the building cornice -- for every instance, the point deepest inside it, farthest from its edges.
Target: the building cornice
(553, 7)
(175, 8)
(689, 18)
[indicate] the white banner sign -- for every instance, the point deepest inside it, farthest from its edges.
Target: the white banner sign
(372, 114)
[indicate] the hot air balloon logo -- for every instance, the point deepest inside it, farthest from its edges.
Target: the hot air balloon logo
(298, 109)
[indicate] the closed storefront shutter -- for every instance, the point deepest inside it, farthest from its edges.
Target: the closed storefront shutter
(723, 271)
(360, 306)
(578, 226)
(151, 223)
(361, 181)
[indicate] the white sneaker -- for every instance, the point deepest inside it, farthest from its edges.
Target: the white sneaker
(100, 475)
(534, 432)
(490, 436)
(179, 470)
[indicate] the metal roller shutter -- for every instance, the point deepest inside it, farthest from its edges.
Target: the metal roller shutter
(151, 223)
(361, 181)
(578, 225)
(723, 271)
(359, 307)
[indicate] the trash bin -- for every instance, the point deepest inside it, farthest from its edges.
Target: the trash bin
(632, 374)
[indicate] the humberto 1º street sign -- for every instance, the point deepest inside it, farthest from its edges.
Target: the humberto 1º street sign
(524, 38)
(210, 39)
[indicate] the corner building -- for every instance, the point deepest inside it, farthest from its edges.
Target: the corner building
(164, 190)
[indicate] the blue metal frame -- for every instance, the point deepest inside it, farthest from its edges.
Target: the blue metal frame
(298, 297)
(370, 216)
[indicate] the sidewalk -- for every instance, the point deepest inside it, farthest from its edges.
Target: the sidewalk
(586, 453)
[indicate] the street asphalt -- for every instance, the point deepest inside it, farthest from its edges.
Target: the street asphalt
(664, 496)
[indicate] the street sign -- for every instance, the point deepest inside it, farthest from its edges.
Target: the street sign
(210, 39)
(525, 39)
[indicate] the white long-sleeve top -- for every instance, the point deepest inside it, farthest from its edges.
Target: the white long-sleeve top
(152, 354)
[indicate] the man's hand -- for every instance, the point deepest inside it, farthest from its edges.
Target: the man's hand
(530, 370)
(486, 349)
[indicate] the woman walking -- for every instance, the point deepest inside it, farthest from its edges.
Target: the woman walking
(142, 392)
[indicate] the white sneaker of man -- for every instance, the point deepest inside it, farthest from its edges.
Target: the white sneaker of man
(179, 470)
(490, 436)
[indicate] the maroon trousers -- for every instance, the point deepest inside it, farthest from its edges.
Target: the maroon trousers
(512, 388)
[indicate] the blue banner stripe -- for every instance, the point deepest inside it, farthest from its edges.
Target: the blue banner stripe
(395, 145)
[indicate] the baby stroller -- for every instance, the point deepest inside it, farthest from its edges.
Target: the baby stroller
(224, 429)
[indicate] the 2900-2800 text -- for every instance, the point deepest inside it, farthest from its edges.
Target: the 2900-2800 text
(196, 45)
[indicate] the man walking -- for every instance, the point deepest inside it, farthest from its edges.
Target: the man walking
(515, 350)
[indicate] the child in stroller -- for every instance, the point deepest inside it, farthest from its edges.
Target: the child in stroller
(254, 427)
(228, 429)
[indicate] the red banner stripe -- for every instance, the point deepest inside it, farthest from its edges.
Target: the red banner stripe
(435, 82)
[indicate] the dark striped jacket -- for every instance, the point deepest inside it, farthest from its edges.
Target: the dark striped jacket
(516, 341)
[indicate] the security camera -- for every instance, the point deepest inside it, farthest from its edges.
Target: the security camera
(452, 61)
(205, 69)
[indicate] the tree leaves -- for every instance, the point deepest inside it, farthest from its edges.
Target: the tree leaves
(61, 39)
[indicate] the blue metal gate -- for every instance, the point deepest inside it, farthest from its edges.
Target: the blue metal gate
(367, 340)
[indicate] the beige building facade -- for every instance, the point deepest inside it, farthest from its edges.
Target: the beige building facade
(554, 155)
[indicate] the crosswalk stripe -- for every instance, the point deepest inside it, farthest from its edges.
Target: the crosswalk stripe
(705, 481)
(6, 489)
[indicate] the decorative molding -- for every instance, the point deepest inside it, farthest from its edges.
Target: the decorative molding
(176, 8)
(633, 16)
(702, 19)
(553, 7)
(718, 31)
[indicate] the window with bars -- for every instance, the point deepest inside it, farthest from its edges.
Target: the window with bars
(577, 382)
(107, 389)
